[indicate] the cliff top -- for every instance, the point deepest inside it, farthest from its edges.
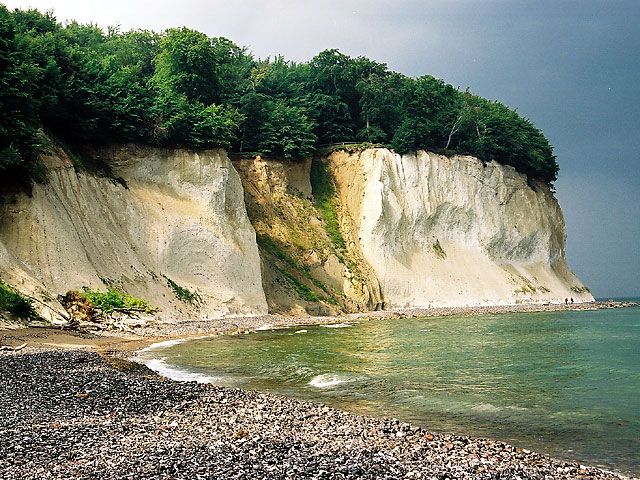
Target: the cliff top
(180, 87)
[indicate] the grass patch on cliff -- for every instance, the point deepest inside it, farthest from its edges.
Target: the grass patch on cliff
(580, 289)
(301, 289)
(183, 294)
(324, 192)
(269, 245)
(16, 304)
(526, 288)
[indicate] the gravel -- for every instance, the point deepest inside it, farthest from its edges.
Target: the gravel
(71, 414)
(241, 324)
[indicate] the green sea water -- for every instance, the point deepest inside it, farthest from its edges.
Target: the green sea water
(563, 383)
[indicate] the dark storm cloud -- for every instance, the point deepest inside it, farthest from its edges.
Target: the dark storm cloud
(572, 66)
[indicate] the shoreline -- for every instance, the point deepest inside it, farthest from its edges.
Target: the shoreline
(110, 355)
(88, 418)
(242, 324)
(121, 343)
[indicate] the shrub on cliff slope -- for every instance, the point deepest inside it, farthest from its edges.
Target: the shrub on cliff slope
(115, 300)
(182, 88)
(94, 306)
(14, 303)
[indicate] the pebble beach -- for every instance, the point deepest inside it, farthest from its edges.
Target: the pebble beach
(76, 414)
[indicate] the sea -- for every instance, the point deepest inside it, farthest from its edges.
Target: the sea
(564, 383)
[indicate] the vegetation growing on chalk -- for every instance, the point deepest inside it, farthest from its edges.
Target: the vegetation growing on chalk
(15, 304)
(324, 194)
(182, 88)
(301, 289)
(114, 301)
(580, 289)
(305, 292)
(183, 294)
(526, 288)
(439, 251)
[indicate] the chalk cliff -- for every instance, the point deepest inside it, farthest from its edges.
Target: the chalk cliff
(448, 231)
(172, 215)
(344, 232)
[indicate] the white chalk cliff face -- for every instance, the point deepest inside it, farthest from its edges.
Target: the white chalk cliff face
(179, 216)
(423, 230)
(441, 231)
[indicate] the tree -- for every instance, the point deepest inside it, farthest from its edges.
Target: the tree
(287, 132)
(381, 103)
(186, 66)
(181, 87)
(332, 122)
(19, 123)
(193, 124)
(337, 75)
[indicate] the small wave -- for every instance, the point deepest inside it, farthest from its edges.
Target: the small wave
(268, 326)
(486, 408)
(328, 380)
(164, 344)
(337, 325)
(300, 331)
(491, 408)
(161, 367)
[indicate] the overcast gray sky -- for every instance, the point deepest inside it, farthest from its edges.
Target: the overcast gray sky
(572, 66)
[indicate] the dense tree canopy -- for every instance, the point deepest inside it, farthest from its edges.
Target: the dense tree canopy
(181, 87)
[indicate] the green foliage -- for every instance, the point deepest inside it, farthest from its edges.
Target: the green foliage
(324, 192)
(183, 294)
(301, 289)
(267, 243)
(286, 132)
(526, 288)
(19, 103)
(582, 289)
(115, 300)
(193, 124)
(272, 247)
(186, 66)
(183, 88)
(15, 304)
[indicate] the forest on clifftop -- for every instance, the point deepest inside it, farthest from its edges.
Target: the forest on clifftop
(183, 88)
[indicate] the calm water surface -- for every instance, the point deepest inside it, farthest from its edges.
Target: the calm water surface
(563, 383)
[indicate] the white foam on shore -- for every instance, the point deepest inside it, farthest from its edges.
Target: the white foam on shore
(161, 367)
(268, 326)
(164, 344)
(491, 408)
(328, 380)
(337, 325)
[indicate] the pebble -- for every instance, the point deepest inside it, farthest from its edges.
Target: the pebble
(237, 325)
(139, 425)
